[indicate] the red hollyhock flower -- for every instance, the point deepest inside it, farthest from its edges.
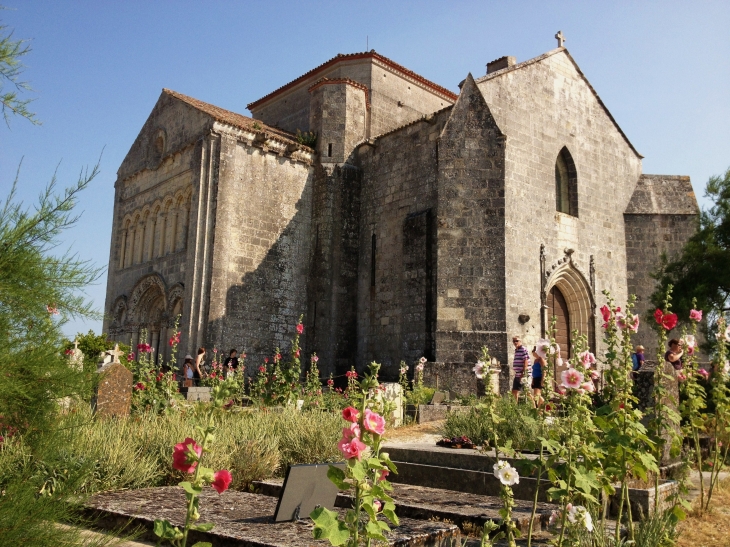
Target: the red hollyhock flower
(350, 414)
(300, 328)
(185, 455)
(606, 313)
(658, 314)
(221, 480)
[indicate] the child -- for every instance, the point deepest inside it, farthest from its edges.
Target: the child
(638, 359)
(537, 378)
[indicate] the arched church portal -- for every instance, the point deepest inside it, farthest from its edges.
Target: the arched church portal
(569, 299)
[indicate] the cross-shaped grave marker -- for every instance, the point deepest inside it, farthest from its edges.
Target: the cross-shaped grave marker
(116, 352)
(560, 37)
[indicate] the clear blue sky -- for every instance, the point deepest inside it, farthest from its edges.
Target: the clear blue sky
(662, 68)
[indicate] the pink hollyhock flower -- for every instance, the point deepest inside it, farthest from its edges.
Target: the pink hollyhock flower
(131, 356)
(330, 382)
(215, 350)
(144, 348)
(588, 359)
(383, 474)
(588, 387)
(542, 347)
(300, 328)
(702, 372)
(559, 361)
(548, 407)
(374, 422)
(572, 378)
(377, 505)
(695, 315)
(628, 322)
(561, 390)
(606, 313)
(353, 449)
(420, 367)
(69, 351)
(221, 480)
(681, 377)
(595, 375)
(297, 353)
(351, 414)
(262, 368)
(139, 386)
(266, 360)
(668, 321)
(278, 356)
(315, 358)
(185, 455)
(352, 432)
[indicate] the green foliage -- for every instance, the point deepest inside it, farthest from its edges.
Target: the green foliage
(517, 422)
(11, 67)
(702, 270)
(154, 391)
(307, 138)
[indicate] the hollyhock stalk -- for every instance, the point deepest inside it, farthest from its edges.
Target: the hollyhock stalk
(721, 396)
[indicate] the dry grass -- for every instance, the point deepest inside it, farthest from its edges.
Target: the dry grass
(414, 432)
(713, 528)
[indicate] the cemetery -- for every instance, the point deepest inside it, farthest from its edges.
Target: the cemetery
(300, 461)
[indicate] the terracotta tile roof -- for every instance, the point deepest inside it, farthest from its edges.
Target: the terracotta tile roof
(352, 57)
(232, 118)
(539, 58)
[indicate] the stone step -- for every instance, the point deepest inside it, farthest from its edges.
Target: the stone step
(468, 511)
(439, 456)
(241, 519)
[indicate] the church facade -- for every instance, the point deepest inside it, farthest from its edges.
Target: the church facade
(419, 223)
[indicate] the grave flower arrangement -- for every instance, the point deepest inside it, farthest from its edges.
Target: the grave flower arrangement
(365, 475)
(188, 457)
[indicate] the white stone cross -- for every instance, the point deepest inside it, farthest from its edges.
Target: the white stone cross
(560, 37)
(116, 352)
(76, 345)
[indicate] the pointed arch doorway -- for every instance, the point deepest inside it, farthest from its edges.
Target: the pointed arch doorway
(558, 308)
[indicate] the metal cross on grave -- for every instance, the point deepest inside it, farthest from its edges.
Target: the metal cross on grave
(116, 352)
(560, 37)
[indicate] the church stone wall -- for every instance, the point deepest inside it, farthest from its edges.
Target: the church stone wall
(470, 235)
(660, 218)
(542, 108)
(260, 262)
(395, 302)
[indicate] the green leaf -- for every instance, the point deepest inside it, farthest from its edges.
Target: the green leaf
(374, 531)
(163, 529)
(337, 476)
(390, 514)
(328, 526)
(190, 489)
(207, 527)
(203, 544)
(358, 470)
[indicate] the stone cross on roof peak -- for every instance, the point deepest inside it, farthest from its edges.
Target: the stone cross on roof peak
(560, 37)
(116, 352)
(76, 345)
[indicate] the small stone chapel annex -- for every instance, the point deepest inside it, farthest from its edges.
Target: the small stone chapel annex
(422, 223)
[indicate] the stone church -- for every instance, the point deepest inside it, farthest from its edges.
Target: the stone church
(419, 223)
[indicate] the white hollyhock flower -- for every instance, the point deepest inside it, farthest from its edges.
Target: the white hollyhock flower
(506, 474)
(480, 369)
(580, 515)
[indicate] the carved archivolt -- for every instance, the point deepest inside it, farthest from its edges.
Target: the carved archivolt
(150, 305)
(155, 230)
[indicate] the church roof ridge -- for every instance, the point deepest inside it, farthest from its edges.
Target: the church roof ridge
(351, 57)
(232, 118)
(424, 118)
(550, 53)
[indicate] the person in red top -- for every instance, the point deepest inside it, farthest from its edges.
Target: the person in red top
(520, 364)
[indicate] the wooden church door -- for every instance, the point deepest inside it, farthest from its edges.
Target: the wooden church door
(558, 308)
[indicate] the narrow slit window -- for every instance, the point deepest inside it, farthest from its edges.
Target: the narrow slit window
(329, 150)
(566, 184)
(372, 261)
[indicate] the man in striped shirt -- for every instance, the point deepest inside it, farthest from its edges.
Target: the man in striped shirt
(520, 364)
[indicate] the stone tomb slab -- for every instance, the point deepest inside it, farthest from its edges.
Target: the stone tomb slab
(463, 509)
(241, 519)
(113, 395)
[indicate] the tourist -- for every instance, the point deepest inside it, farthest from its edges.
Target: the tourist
(231, 362)
(520, 364)
(674, 355)
(188, 370)
(199, 362)
(537, 377)
(638, 359)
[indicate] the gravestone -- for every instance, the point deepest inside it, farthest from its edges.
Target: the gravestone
(113, 395)
(394, 393)
(439, 397)
(76, 357)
